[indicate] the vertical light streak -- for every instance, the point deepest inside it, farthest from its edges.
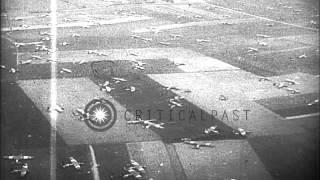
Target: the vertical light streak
(94, 164)
(53, 89)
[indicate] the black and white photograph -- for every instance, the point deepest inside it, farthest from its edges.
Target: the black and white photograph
(159, 90)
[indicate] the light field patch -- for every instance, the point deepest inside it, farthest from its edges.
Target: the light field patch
(76, 93)
(230, 159)
(155, 156)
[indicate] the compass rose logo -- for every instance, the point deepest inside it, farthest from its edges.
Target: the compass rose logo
(101, 114)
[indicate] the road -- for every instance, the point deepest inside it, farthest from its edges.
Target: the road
(234, 64)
